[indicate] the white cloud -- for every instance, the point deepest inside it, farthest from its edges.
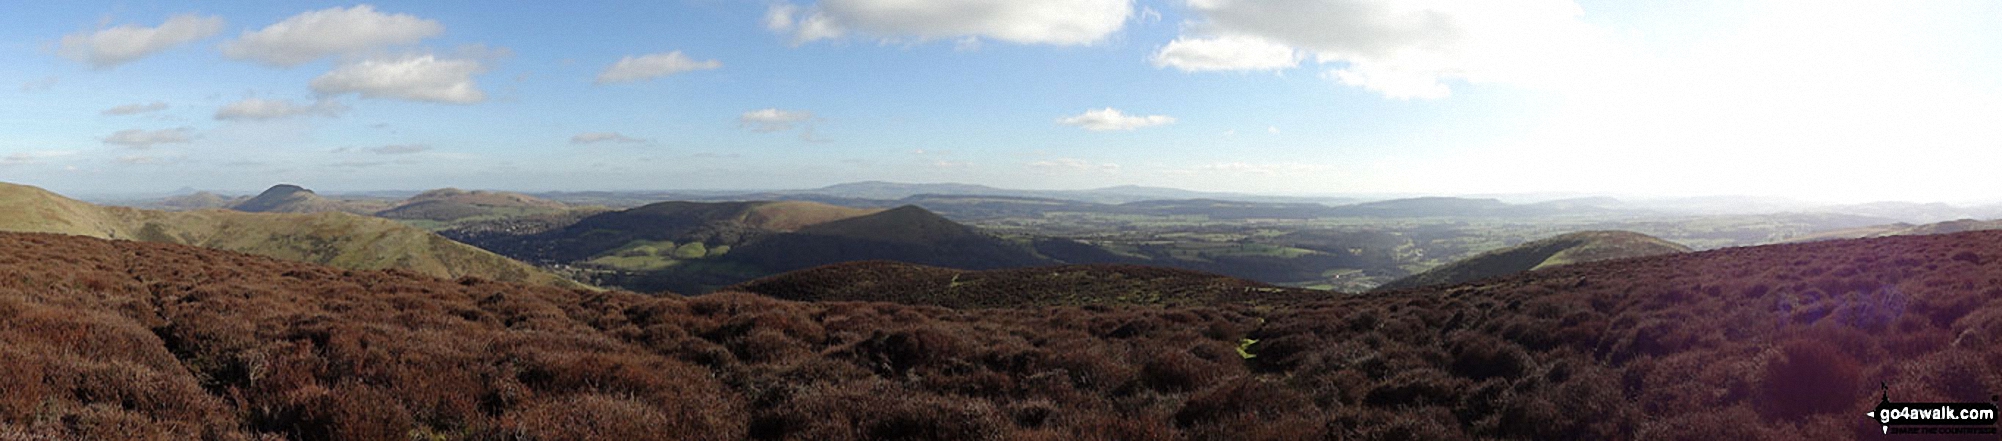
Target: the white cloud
(414, 77)
(136, 108)
(1226, 53)
(1058, 22)
(773, 120)
(111, 47)
(1073, 165)
(263, 109)
(399, 149)
(141, 139)
(1401, 49)
(316, 34)
(653, 66)
(597, 137)
(944, 164)
(1111, 119)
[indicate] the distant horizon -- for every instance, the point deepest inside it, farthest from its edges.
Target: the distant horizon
(1512, 198)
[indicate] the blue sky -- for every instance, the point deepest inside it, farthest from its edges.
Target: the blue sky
(1836, 101)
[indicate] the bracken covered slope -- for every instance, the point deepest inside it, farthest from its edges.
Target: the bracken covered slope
(1035, 286)
(129, 340)
(1564, 249)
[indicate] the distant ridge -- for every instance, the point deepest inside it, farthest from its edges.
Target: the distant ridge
(1584, 246)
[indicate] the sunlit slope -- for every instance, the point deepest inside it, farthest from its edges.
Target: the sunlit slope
(336, 239)
(1584, 246)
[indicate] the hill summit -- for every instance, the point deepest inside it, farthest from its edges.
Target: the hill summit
(288, 198)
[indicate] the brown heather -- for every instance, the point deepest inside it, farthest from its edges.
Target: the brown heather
(125, 340)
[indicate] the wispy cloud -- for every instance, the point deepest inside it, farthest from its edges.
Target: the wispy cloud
(598, 137)
(1073, 165)
(399, 149)
(25, 158)
(142, 139)
(136, 108)
(263, 109)
(1107, 119)
(318, 34)
(109, 48)
(653, 66)
(1055, 22)
(773, 120)
(41, 84)
(410, 77)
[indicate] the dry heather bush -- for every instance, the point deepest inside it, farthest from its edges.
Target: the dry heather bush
(1807, 377)
(593, 416)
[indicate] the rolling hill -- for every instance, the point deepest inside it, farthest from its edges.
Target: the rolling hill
(905, 234)
(195, 201)
(131, 340)
(451, 204)
(338, 239)
(907, 283)
(693, 247)
(712, 224)
(1585, 246)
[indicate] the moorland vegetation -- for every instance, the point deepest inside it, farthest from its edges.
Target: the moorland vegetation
(160, 341)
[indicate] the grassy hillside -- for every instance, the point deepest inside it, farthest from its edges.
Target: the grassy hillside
(1017, 287)
(1586, 246)
(130, 340)
(337, 239)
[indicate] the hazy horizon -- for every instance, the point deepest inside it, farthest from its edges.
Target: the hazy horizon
(1829, 102)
